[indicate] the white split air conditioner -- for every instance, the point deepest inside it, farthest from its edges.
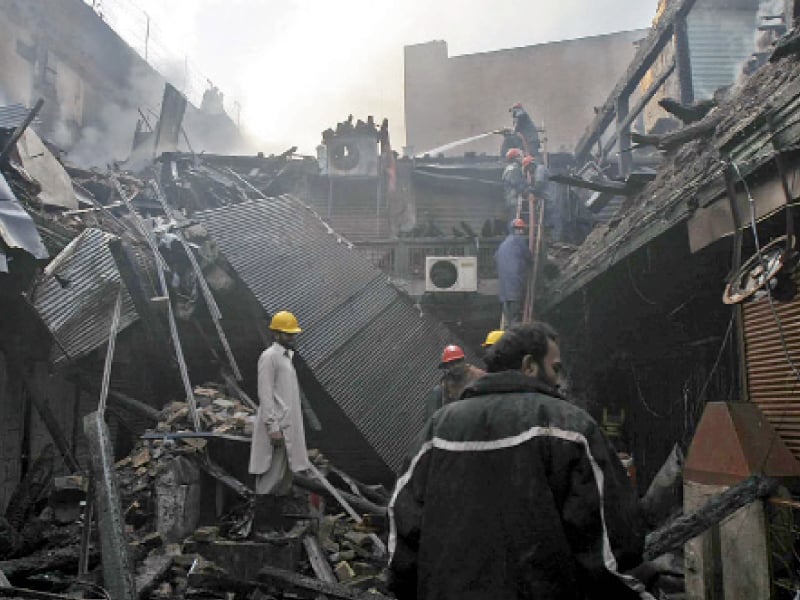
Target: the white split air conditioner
(451, 273)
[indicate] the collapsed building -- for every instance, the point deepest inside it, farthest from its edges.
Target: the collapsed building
(147, 295)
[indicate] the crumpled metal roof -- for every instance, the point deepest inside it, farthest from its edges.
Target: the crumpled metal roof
(366, 343)
(17, 229)
(13, 115)
(76, 300)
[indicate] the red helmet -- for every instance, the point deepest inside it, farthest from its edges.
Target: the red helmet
(518, 224)
(451, 354)
(516, 105)
(528, 160)
(513, 154)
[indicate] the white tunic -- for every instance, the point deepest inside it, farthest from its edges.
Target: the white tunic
(279, 410)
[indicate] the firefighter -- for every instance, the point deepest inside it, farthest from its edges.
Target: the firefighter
(278, 447)
(514, 184)
(512, 259)
(525, 129)
(457, 373)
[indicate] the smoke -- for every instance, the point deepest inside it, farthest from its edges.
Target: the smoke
(300, 67)
(106, 141)
(766, 10)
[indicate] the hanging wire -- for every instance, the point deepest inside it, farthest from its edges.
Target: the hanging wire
(752, 205)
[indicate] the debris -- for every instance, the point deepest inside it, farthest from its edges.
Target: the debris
(314, 485)
(319, 563)
(343, 571)
(674, 534)
(287, 580)
(116, 564)
(153, 570)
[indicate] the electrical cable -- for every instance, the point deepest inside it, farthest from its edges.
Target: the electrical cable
(753, 225)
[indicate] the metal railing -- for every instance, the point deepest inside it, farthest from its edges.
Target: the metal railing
(139, 31)
(406, 257)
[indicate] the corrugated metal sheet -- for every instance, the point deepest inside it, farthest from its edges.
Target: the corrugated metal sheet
(76, 303)
(365, 342)
(772, 383)
(17, 228)
(720, 40)
(13, 115)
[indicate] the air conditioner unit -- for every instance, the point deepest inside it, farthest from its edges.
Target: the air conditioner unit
(451, 273)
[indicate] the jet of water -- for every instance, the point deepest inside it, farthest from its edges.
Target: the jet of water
(455, 144)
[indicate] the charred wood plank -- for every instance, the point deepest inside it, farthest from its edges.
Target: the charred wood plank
(290, 581)
(673, 535)
(674, 139)
(320, 565)
(218, 473)
(155, 568)
(312, 485)
(376, 494)
(64, 559)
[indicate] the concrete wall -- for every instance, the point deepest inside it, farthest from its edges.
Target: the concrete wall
(449, 98)
(91, 81)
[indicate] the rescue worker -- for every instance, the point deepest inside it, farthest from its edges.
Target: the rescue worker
(525, 128)
(492, 338)
(515, 492)
(512, 259)
(538, 177)
(457, 374)
(278, 448)
(514, 184)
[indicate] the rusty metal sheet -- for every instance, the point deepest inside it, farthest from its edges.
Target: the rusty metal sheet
(772, 383)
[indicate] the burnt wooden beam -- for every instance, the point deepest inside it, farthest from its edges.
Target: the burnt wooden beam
(34, 385)
(674, 139)
(290, 581)
(676, 533)
(312, 485)
(624, 135)
(634, 112)
(645, 56)
(318, 560)
(613, 187)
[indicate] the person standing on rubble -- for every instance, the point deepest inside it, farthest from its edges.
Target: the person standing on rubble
(278, 447)
(514, 184)
(515, 492)
(512, 259)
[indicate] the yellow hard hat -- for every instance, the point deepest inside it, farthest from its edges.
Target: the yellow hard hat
(492, 338)
(284, 321)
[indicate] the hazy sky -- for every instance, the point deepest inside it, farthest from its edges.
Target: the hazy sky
(299, 66)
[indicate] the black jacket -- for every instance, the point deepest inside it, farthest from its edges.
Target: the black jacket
(515, 493)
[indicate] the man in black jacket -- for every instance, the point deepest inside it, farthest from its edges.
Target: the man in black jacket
(515, 493)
